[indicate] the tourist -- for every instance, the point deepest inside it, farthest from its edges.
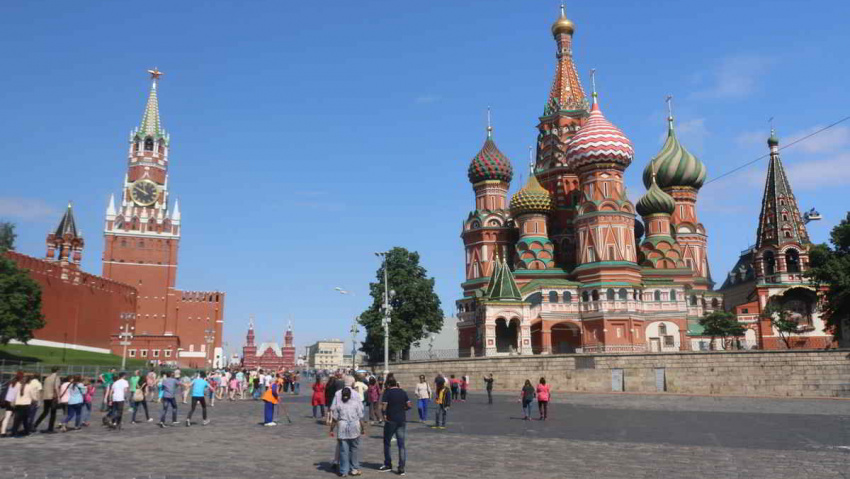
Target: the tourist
(271, 398)
(186, 384)
(212, 382)
(151, 388)
(464, 384)
(49, 399)
(333, 384)
(106, 380)
(360, 387)
(12, 390)
(543, 399)
(140, 398)
(76, 399)
(394, 406)
(318, 399)
(443, 399)
(199, 389)
(526, 396)
(255, 387)
(119, 391)
(240, 378)
(35, 389)
(88, 397)
(423, 396)
(455, 385)
(134, 381)
(346, 415)
(373, 397)
(29, 394)
(296, 383)
(64, 395)
(169, 399)
(488, 381)
(234, 388)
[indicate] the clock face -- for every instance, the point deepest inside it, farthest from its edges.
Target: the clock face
(144, 192)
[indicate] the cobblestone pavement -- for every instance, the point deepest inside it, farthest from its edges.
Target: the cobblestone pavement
(599, 436)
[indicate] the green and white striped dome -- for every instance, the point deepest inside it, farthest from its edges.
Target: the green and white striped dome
(674, 165)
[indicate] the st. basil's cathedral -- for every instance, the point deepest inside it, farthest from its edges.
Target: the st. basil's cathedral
(566, 266)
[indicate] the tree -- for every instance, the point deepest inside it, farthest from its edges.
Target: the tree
(723, 324)
(781, 320)
(20, 295)
(415, 308)
(830, 267)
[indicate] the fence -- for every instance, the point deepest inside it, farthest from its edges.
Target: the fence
(9, 368)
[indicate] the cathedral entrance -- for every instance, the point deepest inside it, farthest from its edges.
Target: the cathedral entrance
(566, 338)
(507, 335)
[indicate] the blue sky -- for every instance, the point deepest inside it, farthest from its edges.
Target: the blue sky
(307, 135)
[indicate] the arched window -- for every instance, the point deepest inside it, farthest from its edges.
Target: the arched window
(585, 297)
(595, 295)
(787, 234)
(662, 329)
(609, 295)
(769, 263)
(535, 299)
(715, 303)
(672, 295)
(637, 295)
(693, 300)
(624, 295)
(657, 295)
(568, 297)
(792, 261)
(553, 296)
(148, 144)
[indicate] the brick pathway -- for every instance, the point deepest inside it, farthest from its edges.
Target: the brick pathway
(603, 436)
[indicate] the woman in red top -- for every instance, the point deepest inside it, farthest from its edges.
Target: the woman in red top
(318, 397)
(543, 399)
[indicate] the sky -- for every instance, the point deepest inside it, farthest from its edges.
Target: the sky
(307, 135)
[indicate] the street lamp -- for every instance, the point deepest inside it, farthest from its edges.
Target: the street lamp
(387, 308)
(125, 334)
(209, 337)
(354, 330)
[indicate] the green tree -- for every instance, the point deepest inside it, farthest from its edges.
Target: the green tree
(722, 324)
(414, 309)
(20, 295)
(830, 267)
(780, 318)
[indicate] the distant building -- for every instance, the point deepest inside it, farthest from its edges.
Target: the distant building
(268, 356)
(327, 354)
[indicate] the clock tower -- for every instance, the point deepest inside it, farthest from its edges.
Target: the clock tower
(142, 233)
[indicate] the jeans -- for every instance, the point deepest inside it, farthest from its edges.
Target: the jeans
(49, 408)
(136, 405)
(117, 412)
(269, 412)
(526, 408)
(348, 457)
(195, 401)
(21, 413)
(489, 396)
(375, 411)
(423, 409)
(399, 430)
(86, 412)
(297, 387)
(441, 414)
(31, 414)
(321, 408)
(463, 394)
(75, 412)
(454, 392)
(169, 403)
(543, 407)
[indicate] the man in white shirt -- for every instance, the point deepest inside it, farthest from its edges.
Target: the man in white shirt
(120, 390)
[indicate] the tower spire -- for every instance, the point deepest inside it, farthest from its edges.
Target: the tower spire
(780, 221)
(669, 100)
(567, 93)
(593, 83)
(489, 125)
(151, 125)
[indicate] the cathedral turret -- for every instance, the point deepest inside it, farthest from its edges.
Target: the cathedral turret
(65, 244)
(782, 244)
(530, 208)
(658, 250)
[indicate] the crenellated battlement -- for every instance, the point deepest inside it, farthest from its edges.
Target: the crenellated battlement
(202, 296)
(53, 269)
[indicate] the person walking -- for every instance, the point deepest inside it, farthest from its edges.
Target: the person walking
(334, 383)
(35, 390)
(373, 397)
(526, 396)
(488, 381)
(119, 391)
(270, 399)
(443, 399)
(394, 406)
(29, 393)
(318, 399)
(170, 387)
(13, 389)
(543, 399)
(423, 397)
(106, 380)
(49, 400)
(88, 397)
(140, 399)
(76, 399)
(464, 384)
(64, 395)
(186, 385)
(346, 419)
(199, 389)
(455, 385)
(150, 382)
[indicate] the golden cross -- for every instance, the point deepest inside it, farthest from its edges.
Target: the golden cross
(155, 73)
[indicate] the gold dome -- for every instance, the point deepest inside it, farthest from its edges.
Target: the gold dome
(563, 24)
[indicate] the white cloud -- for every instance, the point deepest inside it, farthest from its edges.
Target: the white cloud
(28, 209)
(818, 174)
(693, 134)
(735, 76)
(828, 141)
(753, 138)
(426, 99)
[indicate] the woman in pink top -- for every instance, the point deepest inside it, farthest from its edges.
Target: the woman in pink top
(543, 399)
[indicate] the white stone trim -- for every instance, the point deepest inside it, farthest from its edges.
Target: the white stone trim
(54, 344)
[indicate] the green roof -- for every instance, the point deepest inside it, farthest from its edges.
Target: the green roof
(503, 286)
(548, 283)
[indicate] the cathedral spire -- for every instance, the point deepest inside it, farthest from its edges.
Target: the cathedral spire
(780, 222)
(567, 93)
(150, 125)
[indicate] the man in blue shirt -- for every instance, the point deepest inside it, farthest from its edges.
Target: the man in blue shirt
(169, 386)
(394, 405)
(199, 388)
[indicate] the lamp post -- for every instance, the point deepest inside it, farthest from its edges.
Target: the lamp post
(209, 337)
(125, 334)
(387, 308)
(354, 330)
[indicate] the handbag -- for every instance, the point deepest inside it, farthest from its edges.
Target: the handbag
(138, 395)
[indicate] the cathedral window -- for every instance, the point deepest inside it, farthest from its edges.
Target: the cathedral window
(568, 297)
(611, 253)
(595, 295)
(623, 294)
(784, 217)
(693, 300)
(681, 211)
(787, 234)
(609, 294)
(590, 256)
(605, 189)
(657, 295)
(585, 297)
(553, 296)
(769, 263)
(662, 329)
(792, 261)
(148, 144)
(715, 303)
(672, 295)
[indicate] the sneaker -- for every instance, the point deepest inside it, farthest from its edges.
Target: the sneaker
(401, 472)
(188, 422)
(385, 468)
(134, 422)
(150, 419)
(356, 472)
(175, 423)
(161, 424)
(206, 421)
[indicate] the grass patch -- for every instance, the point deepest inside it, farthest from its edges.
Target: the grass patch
(14, 353)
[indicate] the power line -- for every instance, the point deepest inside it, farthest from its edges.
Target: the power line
(799, 140)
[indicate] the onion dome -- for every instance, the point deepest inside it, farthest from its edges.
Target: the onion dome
(532, 198)
(599, 141)
(674, 165)
(655, 201)
(563, 24)
(490, 164)
(773, 140)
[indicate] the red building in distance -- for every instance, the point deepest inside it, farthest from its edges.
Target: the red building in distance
(268, 356)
